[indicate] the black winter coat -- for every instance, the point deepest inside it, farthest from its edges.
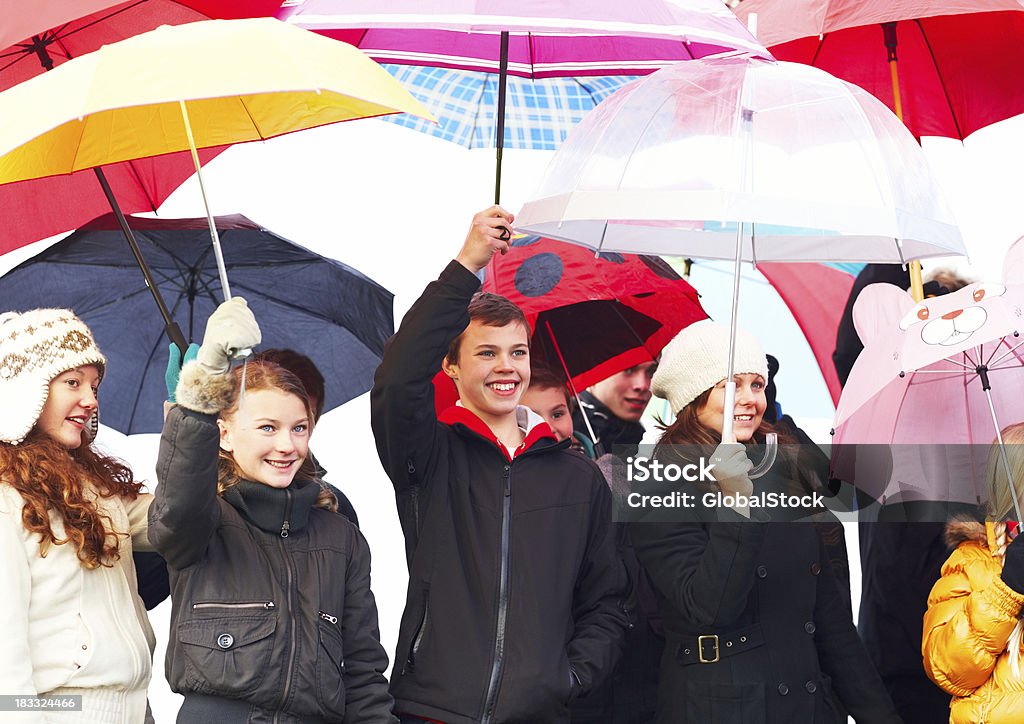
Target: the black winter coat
(762, 599)
(515, 592)
(286, 623)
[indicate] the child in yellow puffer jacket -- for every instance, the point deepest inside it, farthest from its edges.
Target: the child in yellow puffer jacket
(972, 628)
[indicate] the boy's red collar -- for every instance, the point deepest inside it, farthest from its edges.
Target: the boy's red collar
(457, 414)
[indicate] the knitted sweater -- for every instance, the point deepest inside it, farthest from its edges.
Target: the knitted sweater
(70, 630)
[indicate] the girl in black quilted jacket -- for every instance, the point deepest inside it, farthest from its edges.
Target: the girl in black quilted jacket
(273, 619)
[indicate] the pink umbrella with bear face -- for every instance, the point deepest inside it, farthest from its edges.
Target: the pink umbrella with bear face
(945, 371)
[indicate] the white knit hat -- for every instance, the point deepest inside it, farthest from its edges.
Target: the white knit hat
(35, 347)
(697, 359)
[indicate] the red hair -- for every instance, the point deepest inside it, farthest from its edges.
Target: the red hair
(51, 478)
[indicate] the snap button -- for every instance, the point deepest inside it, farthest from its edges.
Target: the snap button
(811, 687)
(809, 627)
(686, 651)
(225, 640)
(743, 639)
(85, 647)
(783, 689)
(728, 644)
(815, 569)
(762, 572)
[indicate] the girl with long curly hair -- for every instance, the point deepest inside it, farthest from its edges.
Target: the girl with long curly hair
(272, 616)
(72, 619)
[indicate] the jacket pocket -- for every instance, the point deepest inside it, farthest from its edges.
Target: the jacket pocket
(228, 650)
(417, 637)
(330, 666)
(722, 703)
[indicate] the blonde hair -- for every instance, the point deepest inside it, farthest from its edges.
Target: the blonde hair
(1000, 498)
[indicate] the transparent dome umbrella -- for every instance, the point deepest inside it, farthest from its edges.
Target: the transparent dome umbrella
(740, 158)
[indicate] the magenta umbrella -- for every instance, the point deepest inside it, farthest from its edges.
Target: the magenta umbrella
(948, 371)
(534, 40)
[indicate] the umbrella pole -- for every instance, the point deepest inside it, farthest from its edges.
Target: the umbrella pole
(221, 269)
(889, 35)
(983, 375)
(499, 140)
(173, 331)
(572, 387)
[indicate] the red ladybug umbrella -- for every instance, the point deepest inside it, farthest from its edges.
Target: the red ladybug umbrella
(591, 317)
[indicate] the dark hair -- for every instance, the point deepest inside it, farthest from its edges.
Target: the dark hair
(302, 367)
(492, 310)
(51, 478)
(264, 375)
(545, 378)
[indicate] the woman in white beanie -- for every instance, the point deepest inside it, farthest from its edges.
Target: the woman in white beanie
(757, 629)
(72, 620)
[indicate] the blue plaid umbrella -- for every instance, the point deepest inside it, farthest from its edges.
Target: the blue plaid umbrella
(538, 113)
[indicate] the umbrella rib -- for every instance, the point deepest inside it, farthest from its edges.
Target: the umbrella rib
(817, 51)
(251, 119)
(286, 304)
(942, 82)
(145, 192)
(1010, 352)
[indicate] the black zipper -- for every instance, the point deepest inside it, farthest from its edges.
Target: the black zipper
(268, 605)
(286, 526)
(291, 609)
(503, 593)
(414, 649)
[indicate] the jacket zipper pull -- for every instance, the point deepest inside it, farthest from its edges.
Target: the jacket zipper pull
(328, 617)
(508, 480)
(286, 526)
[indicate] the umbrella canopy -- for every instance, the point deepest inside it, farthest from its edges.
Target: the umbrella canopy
(241, 80)
(816, 167)
(956, 60)
(538, 113)
(560, 38)
(680, 162)
(316, 306)
(598, 317)
(590, 318)
(36, 37)
(935, 380)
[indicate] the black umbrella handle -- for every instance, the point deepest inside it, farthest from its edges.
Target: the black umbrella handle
(172, 328)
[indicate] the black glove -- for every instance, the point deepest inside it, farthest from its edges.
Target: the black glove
(1013, 565)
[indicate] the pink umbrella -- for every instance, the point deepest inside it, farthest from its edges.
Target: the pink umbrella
(535, 40)
(946, 371)
(946, 67)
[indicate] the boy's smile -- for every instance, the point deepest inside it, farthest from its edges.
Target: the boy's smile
(493, 369)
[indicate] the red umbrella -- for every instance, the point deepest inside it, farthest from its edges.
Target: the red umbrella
(590, 317)
(946, 67)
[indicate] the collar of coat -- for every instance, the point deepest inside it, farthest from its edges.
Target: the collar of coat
(270, 509)
(963, 529)
(533, 426)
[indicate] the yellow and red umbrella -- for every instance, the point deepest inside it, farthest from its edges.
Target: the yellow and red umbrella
(184, 87)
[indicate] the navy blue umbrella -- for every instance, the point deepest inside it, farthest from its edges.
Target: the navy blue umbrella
(302, 301)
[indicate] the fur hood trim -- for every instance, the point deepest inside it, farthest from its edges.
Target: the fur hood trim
(200, 391)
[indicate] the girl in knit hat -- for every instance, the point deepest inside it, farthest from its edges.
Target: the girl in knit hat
(756, 627)
(272, 616)
(72, 620)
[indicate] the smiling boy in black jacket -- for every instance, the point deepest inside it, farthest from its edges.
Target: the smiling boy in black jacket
(514, 602)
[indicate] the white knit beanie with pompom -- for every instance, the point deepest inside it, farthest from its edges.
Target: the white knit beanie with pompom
(697, 359)
(35, 347)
